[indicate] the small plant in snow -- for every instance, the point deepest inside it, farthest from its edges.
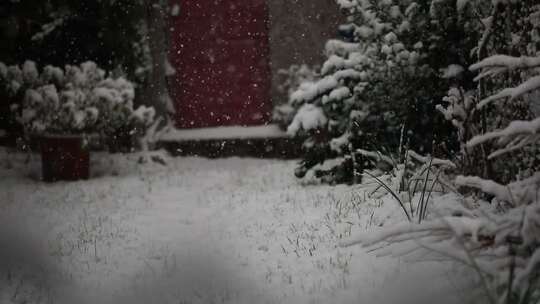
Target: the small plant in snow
(410, 183)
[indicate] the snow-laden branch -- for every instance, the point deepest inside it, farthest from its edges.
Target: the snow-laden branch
(376, 156)
(518, 134)
(59, 20)
(472, 239)
(486, 186)
(499, 64)
(521, 192)
(434, 161)
(507, 62)
(309, 91)
(371, 238)
(513, 93)
(448, 227)
(340, 48)
(347, 4)
(335, 62)
(309, 117)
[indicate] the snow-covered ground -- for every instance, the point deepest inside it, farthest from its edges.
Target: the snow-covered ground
(195, 231)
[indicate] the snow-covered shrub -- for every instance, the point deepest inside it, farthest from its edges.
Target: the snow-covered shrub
(499, 28)
(380, 81)
(290, 80)
(14, 81)
(79, 99)
(499, 238)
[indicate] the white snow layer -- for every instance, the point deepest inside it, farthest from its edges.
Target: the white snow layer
(217, 133)
(452, 71)
(175, 10)
(309, 117)
(195, 231)
(507, 62)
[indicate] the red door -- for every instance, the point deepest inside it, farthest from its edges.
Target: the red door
(220, 51)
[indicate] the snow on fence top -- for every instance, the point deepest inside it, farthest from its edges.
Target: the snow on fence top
(217, 133)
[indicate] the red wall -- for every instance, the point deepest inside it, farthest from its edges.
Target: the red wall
(220, 51)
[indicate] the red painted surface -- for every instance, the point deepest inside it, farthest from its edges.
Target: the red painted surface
(64, 159)
(220, 51)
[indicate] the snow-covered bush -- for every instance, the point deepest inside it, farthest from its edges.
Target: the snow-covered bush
(499, 28)
(79, 99)
(492, 224)
(378, 83)
(498, 238)
(14, 82)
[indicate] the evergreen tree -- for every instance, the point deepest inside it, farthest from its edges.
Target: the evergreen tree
(379, 87)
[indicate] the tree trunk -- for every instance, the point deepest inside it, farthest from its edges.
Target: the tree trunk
(156, 91)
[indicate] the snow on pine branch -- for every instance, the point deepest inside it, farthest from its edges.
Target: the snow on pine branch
(517, 135)
(347, 4)
(48, 28)
(309, 117)
(59, 19)
(340, 48)
(522, 192)
(498, 64)
(434, 161)
(311, 90)
(449, 227)
(507, 62)
(471, 238)
(335, 62)
(513, 93)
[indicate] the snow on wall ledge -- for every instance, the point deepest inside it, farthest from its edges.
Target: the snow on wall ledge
(217, 133)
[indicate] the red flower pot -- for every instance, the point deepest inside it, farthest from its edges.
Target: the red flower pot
(64, 158)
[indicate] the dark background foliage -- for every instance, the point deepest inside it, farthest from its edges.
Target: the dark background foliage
(101, 31)
(69, 32)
